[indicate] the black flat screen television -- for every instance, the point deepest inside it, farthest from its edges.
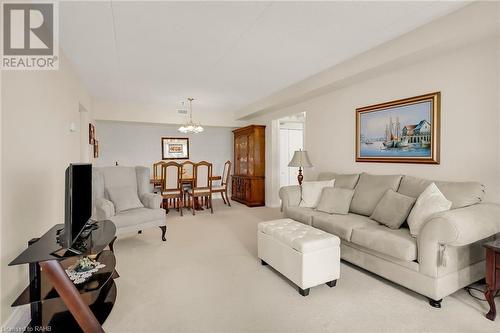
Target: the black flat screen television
(78, 201)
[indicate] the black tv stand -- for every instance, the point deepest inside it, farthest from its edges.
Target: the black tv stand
(54, 300)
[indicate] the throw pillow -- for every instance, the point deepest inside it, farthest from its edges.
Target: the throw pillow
(431, 201)
(124, 198)
(369, 190)
(311, 192)
(335, 200)
(393, 209)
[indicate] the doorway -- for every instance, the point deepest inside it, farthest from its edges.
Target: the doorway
(291, 138)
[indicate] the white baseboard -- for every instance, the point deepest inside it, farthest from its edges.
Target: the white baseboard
(19, 318)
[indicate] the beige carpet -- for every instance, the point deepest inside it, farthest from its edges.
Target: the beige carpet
(207, 278)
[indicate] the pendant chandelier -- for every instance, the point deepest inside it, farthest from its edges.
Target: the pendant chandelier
(190, 126)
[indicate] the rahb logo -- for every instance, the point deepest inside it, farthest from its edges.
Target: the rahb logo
(30, 36)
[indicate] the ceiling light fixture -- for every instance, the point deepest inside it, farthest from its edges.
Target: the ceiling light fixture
(190, 126)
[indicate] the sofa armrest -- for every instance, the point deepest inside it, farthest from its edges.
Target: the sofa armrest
(104, 209)
(457, 227)
(151, 200)
(290, 196)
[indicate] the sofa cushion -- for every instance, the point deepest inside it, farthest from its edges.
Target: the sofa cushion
(341, 225)
(124, 198)
(118, 176)
(335, 200)
(393, 209)
(413, 186)
(348, 181)
(395, 243)
(430, 202)
(300, 214)
(370, 190)
(311, 192)
(461, 194)
(137, 216)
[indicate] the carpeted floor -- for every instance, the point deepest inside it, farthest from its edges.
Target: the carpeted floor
(207, 278)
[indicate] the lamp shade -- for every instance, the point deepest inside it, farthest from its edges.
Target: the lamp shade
(300, 159)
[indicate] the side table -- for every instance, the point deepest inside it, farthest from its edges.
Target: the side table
(492, 275)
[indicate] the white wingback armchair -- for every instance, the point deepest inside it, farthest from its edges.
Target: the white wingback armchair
(112, 180)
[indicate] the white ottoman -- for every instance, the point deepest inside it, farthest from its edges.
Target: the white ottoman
(305, 255)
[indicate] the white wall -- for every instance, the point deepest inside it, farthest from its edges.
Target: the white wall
(140, 144)
(468, 81)
(37, 145)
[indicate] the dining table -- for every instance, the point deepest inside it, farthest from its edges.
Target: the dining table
(184, 180)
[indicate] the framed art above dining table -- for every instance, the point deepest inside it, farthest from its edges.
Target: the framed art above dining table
(174, 148)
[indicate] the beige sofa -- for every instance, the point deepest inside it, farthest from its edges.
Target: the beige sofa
(447, 254)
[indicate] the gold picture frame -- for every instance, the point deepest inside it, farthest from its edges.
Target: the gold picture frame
(411, 133)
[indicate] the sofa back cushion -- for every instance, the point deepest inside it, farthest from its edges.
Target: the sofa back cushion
(461, 194)
(369, 190)
(348, 181)
(118, 176)
(335, 200)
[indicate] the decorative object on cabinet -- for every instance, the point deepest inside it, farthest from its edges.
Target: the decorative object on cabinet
(300, 159)
(174, 148)
(402, 131)
(248, 181)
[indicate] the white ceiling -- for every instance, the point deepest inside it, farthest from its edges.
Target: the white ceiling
(225, 54)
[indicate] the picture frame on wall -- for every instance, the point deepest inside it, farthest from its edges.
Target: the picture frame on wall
(91, 134)
(96, 149)
(174, 148)
(401, 131)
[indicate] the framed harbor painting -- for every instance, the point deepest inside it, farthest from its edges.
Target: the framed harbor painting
(402, 131)
(174, 148)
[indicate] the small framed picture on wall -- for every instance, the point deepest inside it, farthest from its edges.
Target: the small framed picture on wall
(96, 148)
(91, 134)
(174, 148)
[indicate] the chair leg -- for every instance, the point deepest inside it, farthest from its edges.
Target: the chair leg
(181, 205)
(211, 206)
(111, 245)
(227, 198)
(192, 206)
(223, 199)
(163, 232)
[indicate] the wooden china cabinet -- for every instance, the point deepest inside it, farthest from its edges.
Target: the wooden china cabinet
(249, 165)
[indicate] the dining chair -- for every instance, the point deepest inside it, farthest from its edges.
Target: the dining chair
(222, 189)
(202, 185)
(172, 185)
(157, 174)
(187, 177)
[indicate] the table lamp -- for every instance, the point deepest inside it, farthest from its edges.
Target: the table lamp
(300, 160)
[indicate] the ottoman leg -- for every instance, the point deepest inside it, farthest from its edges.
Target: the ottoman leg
(263, 263)
(332, 283)
(304, 292)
